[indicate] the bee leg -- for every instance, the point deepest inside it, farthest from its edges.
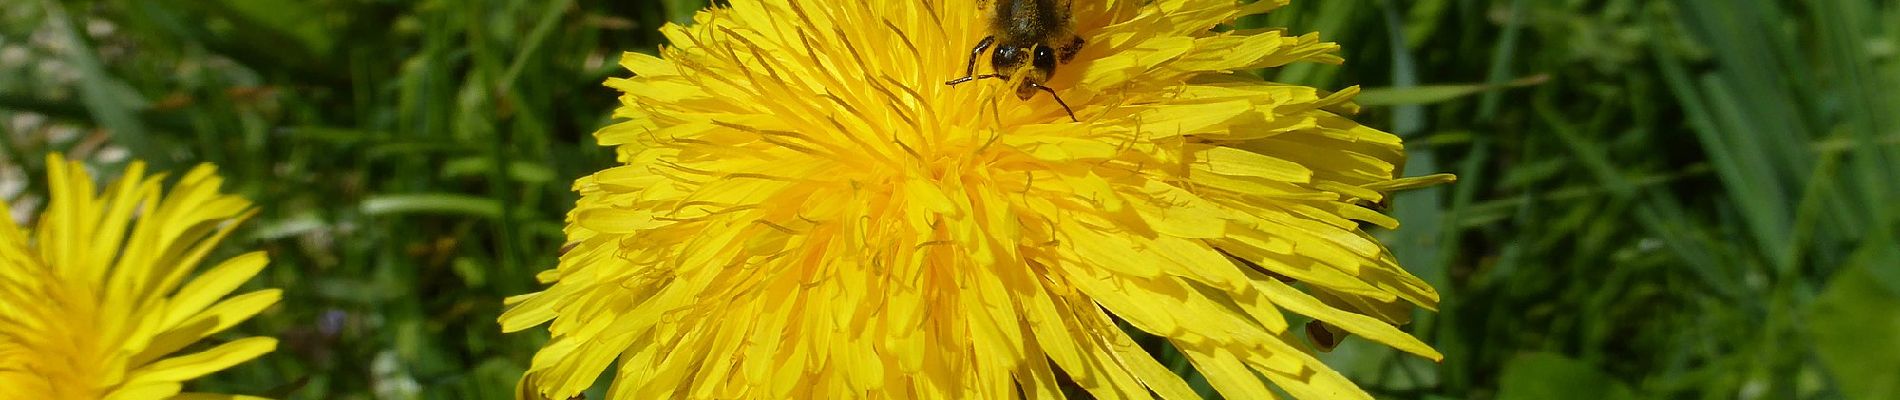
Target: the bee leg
(1067, 52)
(1052, 95)
(976, 77)
(969, 71)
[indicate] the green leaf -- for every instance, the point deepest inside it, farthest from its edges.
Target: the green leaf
(471, 270)
(280, 19)
(112, 103)
(432, 203)
(681, 11)
(1431, 94)
(1550, 376)
(1856, 330)
(477, 166)
(299, 224)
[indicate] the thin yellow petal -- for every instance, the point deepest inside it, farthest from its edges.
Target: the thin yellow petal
(1235, 162)
(157, 390)
(185, 367)
(1232, 378)
(207, 322)
(1358, 324)
(212, 285)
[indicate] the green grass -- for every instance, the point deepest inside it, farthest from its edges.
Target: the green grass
(1659, 199)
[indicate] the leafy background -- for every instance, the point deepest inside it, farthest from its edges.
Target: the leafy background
(1658, 199)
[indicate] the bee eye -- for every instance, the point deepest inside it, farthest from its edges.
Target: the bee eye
(1045, 59)
(1006, 56)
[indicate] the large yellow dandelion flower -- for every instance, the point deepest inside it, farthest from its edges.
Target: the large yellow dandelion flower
(806, 210)
(94, 306)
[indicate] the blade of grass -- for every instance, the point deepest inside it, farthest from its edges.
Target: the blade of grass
(1657, 213)
(110, 102)
(432, 203)
(1432, 94)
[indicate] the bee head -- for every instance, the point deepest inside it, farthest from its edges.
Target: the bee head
(1010, 60)
(1006, 60)
(1044, 60)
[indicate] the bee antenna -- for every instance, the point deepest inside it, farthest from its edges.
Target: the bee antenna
(1052, 94)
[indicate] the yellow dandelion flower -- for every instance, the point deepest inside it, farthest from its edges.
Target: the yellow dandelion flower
(806, 210)
(94, 306)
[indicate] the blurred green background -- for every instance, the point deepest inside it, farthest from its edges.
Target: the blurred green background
(1658, 199)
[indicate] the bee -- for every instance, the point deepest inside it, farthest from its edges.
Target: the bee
(1030, 37)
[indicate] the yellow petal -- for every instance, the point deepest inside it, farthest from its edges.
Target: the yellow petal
(1359, 324)
(1230, 377)
(1175, 212)
(1111, 253)
(210, 321)
(212, 285)
(927, 196)
(1144, 367)
(145, 391)
(185, 367)
(1235, 162)
(645, 65)
(613, 220)
(1165, 122)
(1415, 182)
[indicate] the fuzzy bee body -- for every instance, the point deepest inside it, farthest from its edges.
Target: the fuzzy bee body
(1027, 22)
(1030, 38)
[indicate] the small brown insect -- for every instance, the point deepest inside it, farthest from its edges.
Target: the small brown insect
(1037, 34)
(1325, 336)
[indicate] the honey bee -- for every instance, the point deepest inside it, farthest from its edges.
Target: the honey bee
(1037, 34)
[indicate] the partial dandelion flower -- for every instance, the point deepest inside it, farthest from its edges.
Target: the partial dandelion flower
(805, 210)
(96, 306)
